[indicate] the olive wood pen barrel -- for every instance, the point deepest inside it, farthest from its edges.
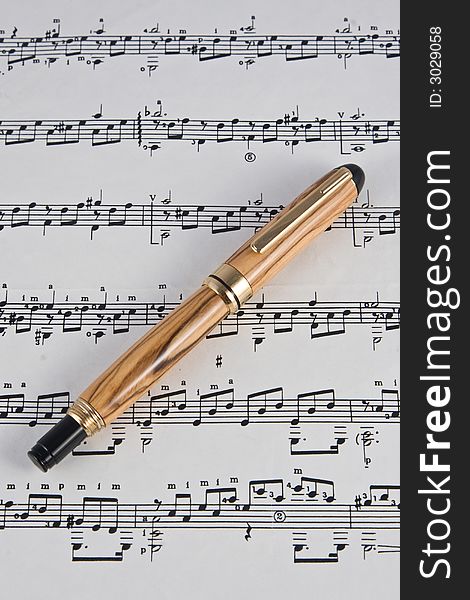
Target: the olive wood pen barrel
(222, 292)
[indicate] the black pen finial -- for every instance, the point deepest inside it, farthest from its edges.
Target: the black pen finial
(66, 435)
(357, 175)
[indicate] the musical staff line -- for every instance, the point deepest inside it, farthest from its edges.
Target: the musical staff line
(248, 47)
(223, 406)
(160, 218)
(305, 505)
(320, 318)
(227, 513)
(151, 131)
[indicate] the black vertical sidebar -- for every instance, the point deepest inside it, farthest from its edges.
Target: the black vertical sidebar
(435, 258)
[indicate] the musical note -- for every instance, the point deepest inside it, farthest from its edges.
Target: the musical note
(182, 508)
(95, 48)
(320, 318)
(43, 509)
(95, 215)
(178, 407)
(99, 512)
(272, 504)
(339, 437)
(151, 132)
(365, 439)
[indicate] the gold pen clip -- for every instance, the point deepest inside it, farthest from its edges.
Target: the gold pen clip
(314, 198)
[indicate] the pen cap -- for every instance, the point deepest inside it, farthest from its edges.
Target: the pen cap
(313, 211)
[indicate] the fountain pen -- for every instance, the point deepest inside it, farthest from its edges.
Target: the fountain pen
(222, 293)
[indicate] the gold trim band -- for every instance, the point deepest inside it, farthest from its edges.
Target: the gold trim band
(230, 285)
(86, 416)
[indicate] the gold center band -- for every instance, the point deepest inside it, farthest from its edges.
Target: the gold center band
(230, 285)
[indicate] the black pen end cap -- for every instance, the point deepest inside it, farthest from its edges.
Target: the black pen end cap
(59, 441)
(41, 457)
(357, 175)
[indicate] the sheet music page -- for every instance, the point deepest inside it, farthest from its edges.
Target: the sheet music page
(141, 144)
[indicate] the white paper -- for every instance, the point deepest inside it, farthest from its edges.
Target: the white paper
(288, 482)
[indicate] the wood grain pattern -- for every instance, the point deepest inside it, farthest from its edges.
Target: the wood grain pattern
(258, 268)
(133, 373)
